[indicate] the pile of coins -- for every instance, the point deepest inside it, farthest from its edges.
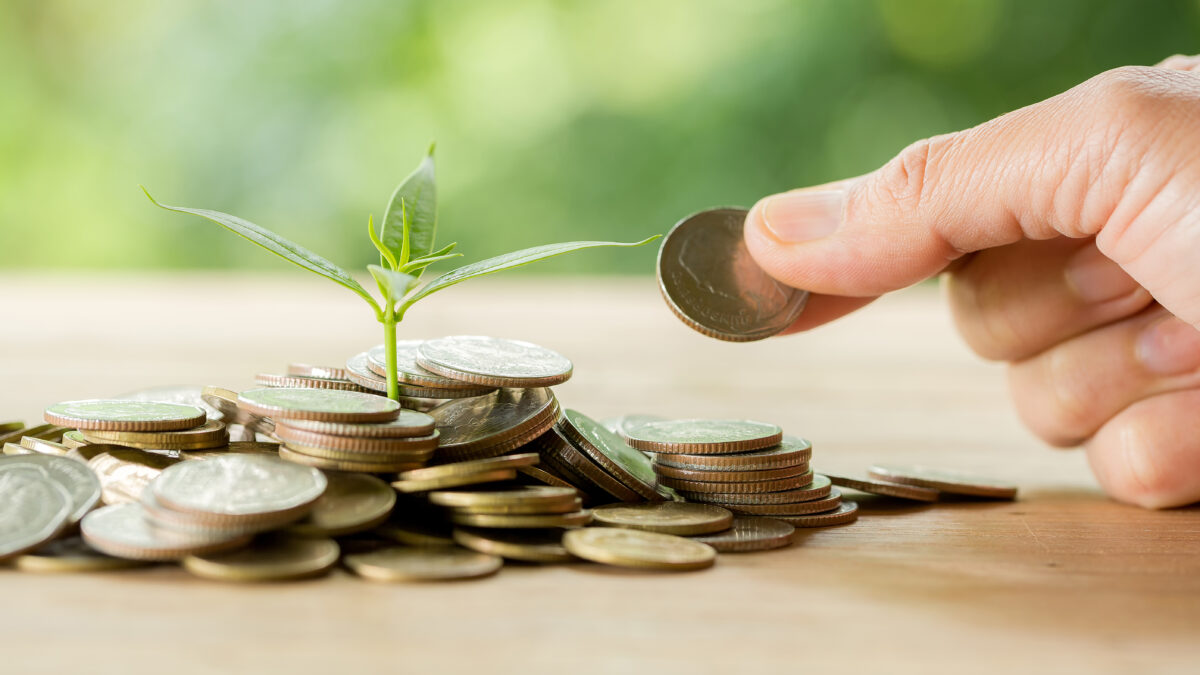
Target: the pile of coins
(477, 463)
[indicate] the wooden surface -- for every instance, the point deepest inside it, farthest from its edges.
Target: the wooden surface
(1061, 581)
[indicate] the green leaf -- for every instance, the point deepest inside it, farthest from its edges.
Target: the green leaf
(419, 265)
(393, 284)
(509, 261)
(415, 198)
(288, 250)
(384, 253)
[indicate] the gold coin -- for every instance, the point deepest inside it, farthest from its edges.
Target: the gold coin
(665, 517)
(638, 549)
(516, 509)
(879, 487)
(847, 512)
(326, 464)
(415, 459)
(529, 495)
(322, 405)
(74, 439)
(522, 521)
(9, 427)
(46, 431)
(272, 557)
(124, 472)
(410, 423)
(44, 447)
(234, 448)
(751, 533)
(755, 487)
(17, 449)
(412, 444)
(946, 480)
(430, 484)
(542, 546)
(543, 477)
(211, 434)
(822, 505)
(304, 381)
(820, 487)
(440, 563)
(416, 533)
(710, 476)
(70, 555)
(352, 502)
(471, 466)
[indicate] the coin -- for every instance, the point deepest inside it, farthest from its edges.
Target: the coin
(472, 424)
(239, 487)
(74, 439)
(543, 546)
(47, 431)
(638, 549)
(322, 405)
(327, 372)
(542, 495)
(710, 281)
(352, 502)
(125, 415)
(730, 476)
(123, 531)
(304, 382)
(622, 424)
(410, 423)
(531, 508)
(821, 505)
(33, 508)
(70, 555)
(665, 517)
(409, 445)
(44, 447)
(403, 563)
(444, 482)
(12, 449)
(756, 487)
(234, 448)
(493, 361)
(407, 369)
(791, 451)
(415, 458)
(702, 437)
(472, 466)
(186, 394)
(847, 512)
(559, 452)
(124, 472)
(750, 533)
(274, 557)
(879, 487)
(954, 482)
(628, 465)
(328, 464)
(171, 522)
(360, 374)
(9, 427)
(543, 477)
(211, 434)
(522, 520)
(416, 533)
(819, 488)
(79, 481)
(225, 401)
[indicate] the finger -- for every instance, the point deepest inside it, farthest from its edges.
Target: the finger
(1149, 454)
(1181, 62)
(821, 309)
(1067, 393)
(1015, 301)
(1112, 157)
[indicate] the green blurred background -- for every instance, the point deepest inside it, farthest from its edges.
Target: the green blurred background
(554, 120)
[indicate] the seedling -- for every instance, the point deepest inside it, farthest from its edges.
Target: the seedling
(406, 248)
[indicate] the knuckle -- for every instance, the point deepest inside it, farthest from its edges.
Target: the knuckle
(905, 177)
(1053, 398)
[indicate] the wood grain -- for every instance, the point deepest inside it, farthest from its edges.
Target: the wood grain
(1063, 580)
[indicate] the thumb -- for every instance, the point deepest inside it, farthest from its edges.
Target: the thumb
(1112, 158)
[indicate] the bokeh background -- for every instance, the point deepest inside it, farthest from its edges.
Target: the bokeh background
(554, 120)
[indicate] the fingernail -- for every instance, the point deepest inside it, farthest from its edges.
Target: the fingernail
(794, 217)
(1169, 346)
(1096, 278)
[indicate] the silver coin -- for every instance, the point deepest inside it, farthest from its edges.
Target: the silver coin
(80, 482)
(360, 374)
(407, 369)
(238, 485)
(494, 361)
(33, 509)
(712, 284)
(185, 394)
(482, 421)
(611, 453)
(622, 424)
(124, 531)
(704, 436)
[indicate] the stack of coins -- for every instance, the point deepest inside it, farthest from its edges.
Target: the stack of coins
(748, 467)
(585, 454)
(524, 523)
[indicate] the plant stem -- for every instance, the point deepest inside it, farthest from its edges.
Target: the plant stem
(389, 345)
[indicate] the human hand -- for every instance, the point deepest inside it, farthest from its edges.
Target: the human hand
(1070, 234)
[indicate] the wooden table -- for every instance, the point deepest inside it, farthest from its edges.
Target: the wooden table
(1062, 580)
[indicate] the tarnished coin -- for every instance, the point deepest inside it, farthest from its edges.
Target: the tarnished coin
(407, 369)
(410, 423)
(817, 489)
(304, 382)
(323, 405)
(471, 424)
(713, 285)
(847, 512)
(529, 495)
(352, 502)
(124, 472)
(791, 451)
(124, 531)
(667, 471)
(411, 444)
(621, 425)
(879, 487)
(705, 437)
(825, 504)
(405, 563)
(211, 434)
(472, 466)
(79, 481)
(360, 373)
(461, 480)
(308, 370)
(665, 517)
(638, 549)
(44, 447)
(239, 487)
(751, 533)
(756, 487)
(225, 401)
(954, 482)
(125, 415)
(628, 465)
(521, 521)
(70, 555)
(273, 557)
(495, 362)
(543, 546)
(328, 464)
(33, 508)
